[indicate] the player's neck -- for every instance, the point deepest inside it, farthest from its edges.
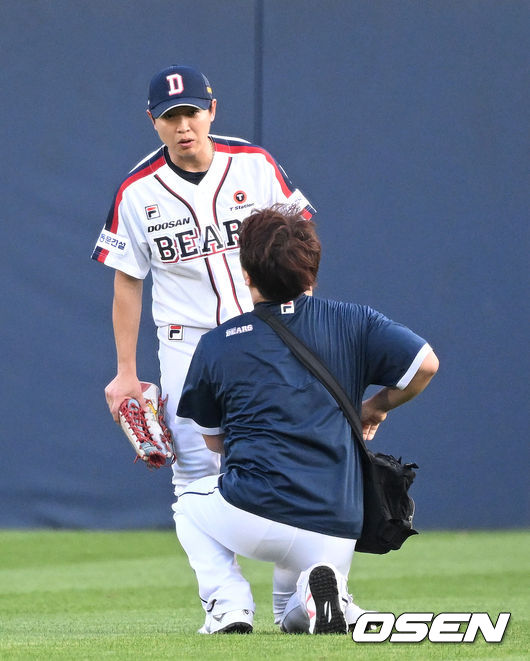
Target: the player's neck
(256, 295)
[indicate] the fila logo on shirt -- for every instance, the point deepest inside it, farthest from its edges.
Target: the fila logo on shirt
(287, 308)
(189, 244)
(152, 211)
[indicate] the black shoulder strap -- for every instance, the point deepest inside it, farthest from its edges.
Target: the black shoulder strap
(315, 365)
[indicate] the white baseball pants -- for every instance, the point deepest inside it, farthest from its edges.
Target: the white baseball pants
(213, 532)
(194, 460)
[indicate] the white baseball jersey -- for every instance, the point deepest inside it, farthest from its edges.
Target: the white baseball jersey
(188, 234)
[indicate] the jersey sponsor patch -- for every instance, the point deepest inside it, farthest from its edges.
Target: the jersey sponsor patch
(298, 200)
(152, 211)
(112, 242)
(240, 197)
(287, 308)
(175, 332)
(236, 330)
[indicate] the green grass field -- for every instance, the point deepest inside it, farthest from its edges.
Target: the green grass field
(132, 595)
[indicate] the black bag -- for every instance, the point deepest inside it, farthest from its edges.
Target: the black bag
(388, 508)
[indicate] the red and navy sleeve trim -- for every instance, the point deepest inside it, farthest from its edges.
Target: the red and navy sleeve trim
(230, 146)
(143, 169)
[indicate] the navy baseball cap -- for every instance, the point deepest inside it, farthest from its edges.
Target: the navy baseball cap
(178, 85)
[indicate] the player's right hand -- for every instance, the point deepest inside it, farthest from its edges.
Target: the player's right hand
(119, 389)
(371, 418)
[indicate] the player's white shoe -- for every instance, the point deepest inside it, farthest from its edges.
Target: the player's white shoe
(324, 594)
(238, 621)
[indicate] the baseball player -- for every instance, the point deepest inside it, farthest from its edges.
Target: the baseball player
(178, 214)
(291, 492)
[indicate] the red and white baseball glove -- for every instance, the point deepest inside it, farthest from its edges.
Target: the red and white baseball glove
(146, 430)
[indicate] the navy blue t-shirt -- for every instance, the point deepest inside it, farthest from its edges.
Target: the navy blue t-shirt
(289, 451)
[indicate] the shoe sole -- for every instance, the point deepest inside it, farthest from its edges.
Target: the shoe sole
(236, 627)
(329, 616)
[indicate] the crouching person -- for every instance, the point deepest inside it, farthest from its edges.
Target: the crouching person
(291, 492)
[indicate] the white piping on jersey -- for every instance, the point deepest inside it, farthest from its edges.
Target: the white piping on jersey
(228, 137)
(144, 159)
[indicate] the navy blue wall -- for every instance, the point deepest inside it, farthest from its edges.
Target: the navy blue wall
(404, 122)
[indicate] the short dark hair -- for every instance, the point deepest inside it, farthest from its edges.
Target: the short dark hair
(280, 250)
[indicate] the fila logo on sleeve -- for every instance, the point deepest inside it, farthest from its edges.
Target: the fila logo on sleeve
(176, 85)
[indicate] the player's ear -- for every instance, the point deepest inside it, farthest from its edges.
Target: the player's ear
(246, 277)
(150, 116)
(213, 108)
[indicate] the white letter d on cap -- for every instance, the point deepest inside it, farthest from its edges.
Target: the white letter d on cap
(176, 86)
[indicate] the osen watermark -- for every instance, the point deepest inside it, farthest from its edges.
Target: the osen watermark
(441, 628)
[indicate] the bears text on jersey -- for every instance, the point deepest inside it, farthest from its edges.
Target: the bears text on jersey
(191, 244)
